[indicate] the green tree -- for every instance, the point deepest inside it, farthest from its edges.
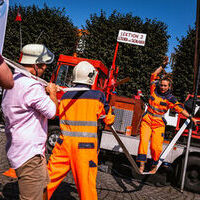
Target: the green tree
(138, 62)
(183, 70)
(48, 26)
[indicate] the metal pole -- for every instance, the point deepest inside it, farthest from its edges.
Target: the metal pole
(111, 72)
(196, 55)
(128, 155)
(115, 55)
(195, 96)
(39, 36)
(20, 35)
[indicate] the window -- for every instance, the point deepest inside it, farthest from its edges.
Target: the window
(101, 79)
(64, 77)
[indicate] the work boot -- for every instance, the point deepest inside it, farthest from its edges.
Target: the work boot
(153, 169)
(142, 165)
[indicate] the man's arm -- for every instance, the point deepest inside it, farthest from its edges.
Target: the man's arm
(51, 90)
(6, 76)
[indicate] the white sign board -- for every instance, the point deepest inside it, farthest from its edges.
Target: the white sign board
(131, 37)
(3, 20)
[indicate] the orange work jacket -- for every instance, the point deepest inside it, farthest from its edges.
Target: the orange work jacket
(159, 103)
(84, 108)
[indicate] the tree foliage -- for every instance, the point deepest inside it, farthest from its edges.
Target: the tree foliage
(137, 62)
(183, 70)
(48, 26)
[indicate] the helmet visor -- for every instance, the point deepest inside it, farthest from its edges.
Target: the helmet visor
(46, 56)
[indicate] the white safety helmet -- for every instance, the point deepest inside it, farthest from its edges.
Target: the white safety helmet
(84, 73)
(36, 54)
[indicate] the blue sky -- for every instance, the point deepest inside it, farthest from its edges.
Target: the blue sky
(177, 14)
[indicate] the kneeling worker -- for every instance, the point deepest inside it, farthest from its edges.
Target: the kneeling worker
(76, 149)
(153, 122)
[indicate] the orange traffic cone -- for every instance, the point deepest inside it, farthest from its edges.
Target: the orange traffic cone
(11, 173)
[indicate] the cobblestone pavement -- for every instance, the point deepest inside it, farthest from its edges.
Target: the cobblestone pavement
(109, 186)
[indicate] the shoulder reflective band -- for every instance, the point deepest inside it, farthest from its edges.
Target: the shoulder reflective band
(154, 82)
(74, 89)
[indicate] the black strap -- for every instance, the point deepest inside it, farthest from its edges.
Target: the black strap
(72, 101)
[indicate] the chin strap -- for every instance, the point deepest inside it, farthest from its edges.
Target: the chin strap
(36, 69)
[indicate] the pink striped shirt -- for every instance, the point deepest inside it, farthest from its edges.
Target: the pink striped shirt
(26, 108)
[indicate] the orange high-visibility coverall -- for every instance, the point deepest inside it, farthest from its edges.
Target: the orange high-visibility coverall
(153, 122)
(76, 149)
(11, 173)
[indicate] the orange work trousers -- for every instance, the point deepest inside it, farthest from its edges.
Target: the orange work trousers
(152, 128)
(78, 154)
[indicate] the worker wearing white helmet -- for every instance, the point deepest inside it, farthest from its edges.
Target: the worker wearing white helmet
(76, 149)
(84, 73)
(36, 56)
(26, 108)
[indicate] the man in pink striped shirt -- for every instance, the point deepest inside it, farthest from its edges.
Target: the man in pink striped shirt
(27, 107)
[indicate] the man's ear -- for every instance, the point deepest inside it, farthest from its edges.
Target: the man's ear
(36, 69)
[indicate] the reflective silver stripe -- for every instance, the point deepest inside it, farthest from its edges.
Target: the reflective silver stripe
(75, 89)
(102, 116)
(156, 109)
(79, 134)
(155, 115)
(154, 82)
(78, 123)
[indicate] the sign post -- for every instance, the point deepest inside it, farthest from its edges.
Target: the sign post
(124, 37)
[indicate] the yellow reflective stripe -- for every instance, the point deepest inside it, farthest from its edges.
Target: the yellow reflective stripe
(79, 134)
(157, 109)
(78, 123)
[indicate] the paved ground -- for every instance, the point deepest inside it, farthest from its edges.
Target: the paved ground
(109, 186)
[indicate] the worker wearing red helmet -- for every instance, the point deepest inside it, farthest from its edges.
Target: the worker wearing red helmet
(153, 122)
(76, 149)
